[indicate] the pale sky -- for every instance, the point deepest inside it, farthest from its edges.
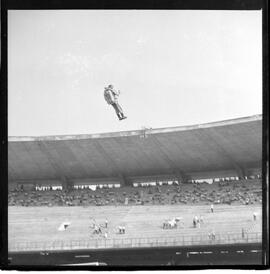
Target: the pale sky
(173, 68)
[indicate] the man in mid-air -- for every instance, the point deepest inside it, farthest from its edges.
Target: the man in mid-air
(111, 97)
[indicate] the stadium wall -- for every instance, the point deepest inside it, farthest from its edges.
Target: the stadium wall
(236, 254)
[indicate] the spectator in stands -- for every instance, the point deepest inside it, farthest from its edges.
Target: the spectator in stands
(235, 192)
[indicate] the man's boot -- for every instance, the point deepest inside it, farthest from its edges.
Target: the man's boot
(119, 116)
(123, 116)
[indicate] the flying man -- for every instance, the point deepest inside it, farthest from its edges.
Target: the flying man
(111, 97)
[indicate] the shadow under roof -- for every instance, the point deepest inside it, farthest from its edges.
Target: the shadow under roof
(232, 145)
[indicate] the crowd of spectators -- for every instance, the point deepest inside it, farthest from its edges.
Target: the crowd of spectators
(241, 192)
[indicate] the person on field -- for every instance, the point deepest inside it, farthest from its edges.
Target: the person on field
(254, 216)
(195, 219)
(201, 219)
(212, 208)
(111, 96)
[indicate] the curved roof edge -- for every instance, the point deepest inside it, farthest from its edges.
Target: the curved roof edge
(134, 132)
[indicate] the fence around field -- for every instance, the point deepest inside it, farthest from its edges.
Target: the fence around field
(185, 240)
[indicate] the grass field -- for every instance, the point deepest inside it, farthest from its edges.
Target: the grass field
(34, 224)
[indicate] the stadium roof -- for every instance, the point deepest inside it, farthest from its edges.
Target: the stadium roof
(233, 145)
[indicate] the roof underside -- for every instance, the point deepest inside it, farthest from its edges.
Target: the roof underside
(226, 145)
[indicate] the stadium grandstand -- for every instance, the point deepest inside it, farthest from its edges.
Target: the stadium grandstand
(170, 196)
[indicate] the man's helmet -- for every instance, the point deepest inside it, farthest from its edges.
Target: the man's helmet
(110, 86)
